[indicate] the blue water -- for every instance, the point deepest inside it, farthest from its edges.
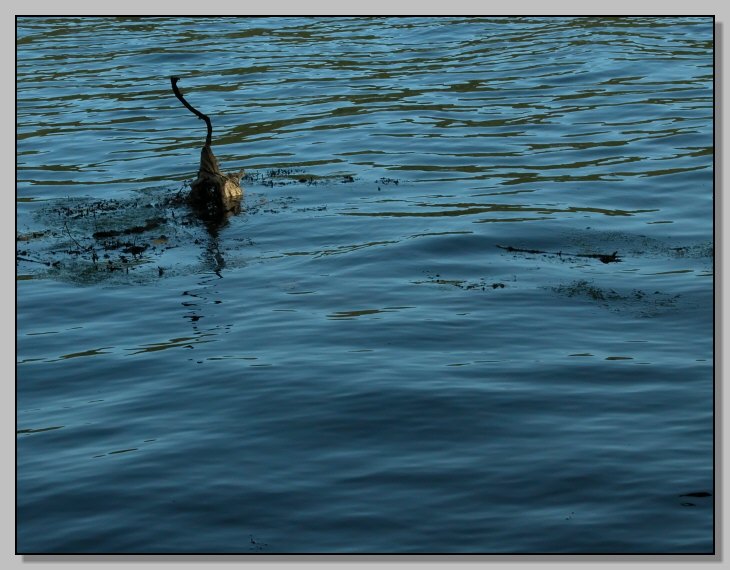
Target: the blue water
(354, 365)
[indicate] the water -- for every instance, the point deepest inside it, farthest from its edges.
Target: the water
(355, 365)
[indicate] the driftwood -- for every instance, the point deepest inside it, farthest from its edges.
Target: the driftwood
(602, 257)
(212, 193)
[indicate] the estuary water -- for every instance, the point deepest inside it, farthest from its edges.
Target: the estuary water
(466, 306)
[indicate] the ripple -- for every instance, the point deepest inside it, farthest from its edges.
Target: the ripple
(352, 361)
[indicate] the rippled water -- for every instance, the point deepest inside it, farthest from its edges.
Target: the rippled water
(352, 363)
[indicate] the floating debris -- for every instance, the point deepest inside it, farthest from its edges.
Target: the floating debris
(602, 257)
(482, 284)
(214, 194)
(88, 241)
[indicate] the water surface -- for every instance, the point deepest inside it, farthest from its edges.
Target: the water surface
(352, 364)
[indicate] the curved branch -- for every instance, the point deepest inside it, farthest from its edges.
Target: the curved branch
(176, 91)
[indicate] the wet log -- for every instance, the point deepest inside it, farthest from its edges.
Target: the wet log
(212, 193)
(602, 257)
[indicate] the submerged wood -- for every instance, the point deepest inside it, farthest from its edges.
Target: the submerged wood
(602, 257)
(213, 193)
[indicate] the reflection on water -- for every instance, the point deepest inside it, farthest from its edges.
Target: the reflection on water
(358, 359)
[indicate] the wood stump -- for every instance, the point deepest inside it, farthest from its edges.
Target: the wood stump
(212, 193)
(215, 195)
